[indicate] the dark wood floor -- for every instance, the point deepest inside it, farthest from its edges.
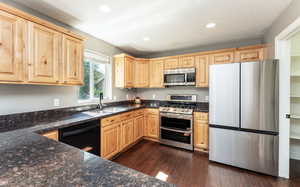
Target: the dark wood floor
(186, 169)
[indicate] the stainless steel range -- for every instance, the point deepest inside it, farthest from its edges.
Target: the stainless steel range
(176, 121)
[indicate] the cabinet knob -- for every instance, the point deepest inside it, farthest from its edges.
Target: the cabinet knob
(45, 62)
(1, 44)
(75, 73)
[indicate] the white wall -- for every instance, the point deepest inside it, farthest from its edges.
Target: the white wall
(25, 98)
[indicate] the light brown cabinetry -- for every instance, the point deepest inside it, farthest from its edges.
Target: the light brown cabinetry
(126, 133)
(110, 140)
(152, 123)
(124, 71)
(45, 54)
(222, 58)
(171, 63)
(249, 54)
(141, 73)
(34, 51)
(186, 62)
(72, 60)
(52, 135)
(202, 71)
(201, 131)
(156, 78)
(12, 47)
(138, 129)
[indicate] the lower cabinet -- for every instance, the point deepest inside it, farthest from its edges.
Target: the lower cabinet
(201, 130)
(152, 123)
(126, 133)
(138, 130)
(110, 140)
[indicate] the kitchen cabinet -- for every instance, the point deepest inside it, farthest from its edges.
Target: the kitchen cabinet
(249, 54)
(52, 135)
(45, 54)
(72, 60)
(201, 131)
(171, 63)
(186, 62)
(138, 127)
(12, 47)
(110, 140)
(222, 57)
(152, 123)
(126, 133)
(202, 71)
(124, 71)
(156, 78)
(141, 73)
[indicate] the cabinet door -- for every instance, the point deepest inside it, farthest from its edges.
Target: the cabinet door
(129, 72)
(202, 71)
(141, 74)
(52, 135)
(186, 62)
(119, 67)
(171, 63)
(126, 133)
(201, 130)
(152, 126)
(138, 127)
(72, 60)
(250, 55)
(156, 77)
(45, 54)
(222, 58)
(12, 47)
(110, 140)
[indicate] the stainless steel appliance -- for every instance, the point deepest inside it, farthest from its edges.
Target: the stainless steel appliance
(180, 77)
(243, 115)
(176, 121)
(84, 136)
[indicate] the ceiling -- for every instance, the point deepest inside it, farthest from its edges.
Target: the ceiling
(168, 24)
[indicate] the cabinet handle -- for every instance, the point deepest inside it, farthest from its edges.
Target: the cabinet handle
(45, 62)
(1, 44)
(75, 73)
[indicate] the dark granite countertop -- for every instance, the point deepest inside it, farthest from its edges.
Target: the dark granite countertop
(28, 158)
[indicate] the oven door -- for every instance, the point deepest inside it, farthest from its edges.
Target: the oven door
(179, 122)
(174, 79)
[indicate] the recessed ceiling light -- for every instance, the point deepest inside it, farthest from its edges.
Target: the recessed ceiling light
(146, 38)
(105, 8)
(211, 25)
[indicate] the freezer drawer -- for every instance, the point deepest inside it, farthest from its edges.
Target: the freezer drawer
(224, 94)
(252, 151)
(259, 96)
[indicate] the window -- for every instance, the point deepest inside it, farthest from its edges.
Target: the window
(96, 81)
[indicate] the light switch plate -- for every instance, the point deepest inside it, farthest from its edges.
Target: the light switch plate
(56, 102)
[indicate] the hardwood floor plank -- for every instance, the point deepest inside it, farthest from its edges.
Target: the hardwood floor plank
(193, 169)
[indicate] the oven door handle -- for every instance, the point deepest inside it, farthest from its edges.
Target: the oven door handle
(177, 116)
(174, 130)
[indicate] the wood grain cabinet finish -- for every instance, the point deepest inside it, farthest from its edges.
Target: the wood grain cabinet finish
(202, 71)
(52, 135)
(156, 77)
(186, 62)
(201, 130)
(141, 73)
(171, 63)
(246, 55)
(222, 58)
(12, 47)
(45, 54)
(127, 133)
(152, 123)
(72, 60)
(138, 129)
(124, 71)
(110, 140)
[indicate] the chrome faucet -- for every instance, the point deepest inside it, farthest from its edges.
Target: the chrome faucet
(100, 105)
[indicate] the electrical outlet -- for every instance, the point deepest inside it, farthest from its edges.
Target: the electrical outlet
(153, 96)
(127, 96)
(56, 102)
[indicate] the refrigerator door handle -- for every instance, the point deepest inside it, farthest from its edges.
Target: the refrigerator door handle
(288, 116)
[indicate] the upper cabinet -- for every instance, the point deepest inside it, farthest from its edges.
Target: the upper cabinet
(34, 51)
(171, 63)
(12, 47)
(247, 54)
(72, 60)
(124, 71)
(202, 70)
(186, 62)
(141, 73)
(156, 78)
(45, 54)
(222, 57)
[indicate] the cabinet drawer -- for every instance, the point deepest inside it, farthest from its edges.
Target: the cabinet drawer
(110, 120)
(201, 116)
(152, 111)
(139, 112)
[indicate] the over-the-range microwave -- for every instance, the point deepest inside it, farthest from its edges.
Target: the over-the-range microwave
(180, 77)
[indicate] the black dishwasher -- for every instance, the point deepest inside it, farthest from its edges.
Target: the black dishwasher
(84, 136)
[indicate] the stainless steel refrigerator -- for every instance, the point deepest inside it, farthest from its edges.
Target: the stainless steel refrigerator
(243, 116)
